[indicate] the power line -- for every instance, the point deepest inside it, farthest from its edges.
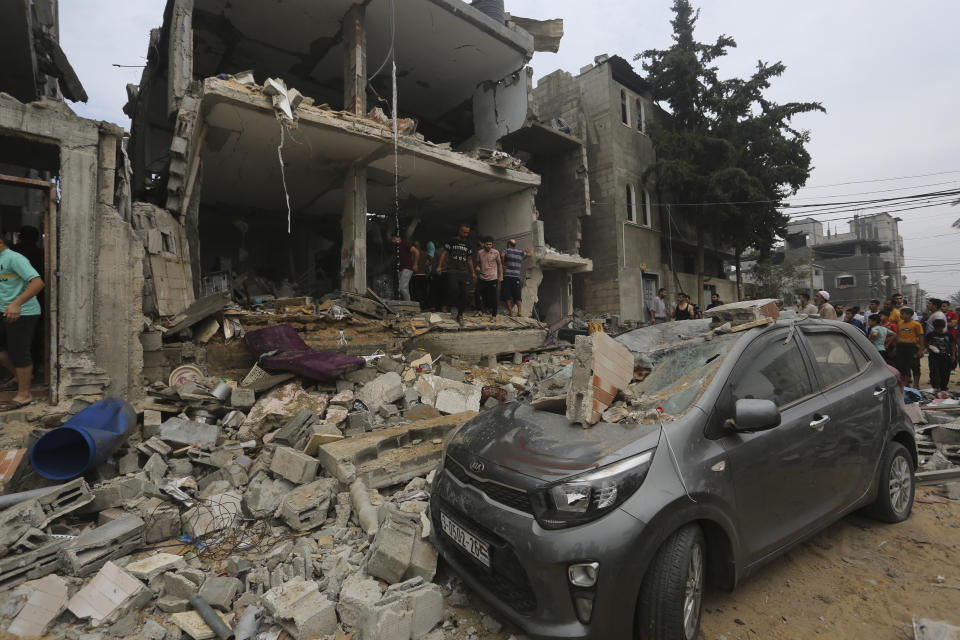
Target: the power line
(866, 193)
(921, 175)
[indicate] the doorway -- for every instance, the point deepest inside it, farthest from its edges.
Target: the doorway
(43, 194)
(651, 282)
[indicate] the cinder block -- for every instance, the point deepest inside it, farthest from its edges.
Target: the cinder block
(392, 547)
(306, 507)
(295, 466)
(302, 610)
(357, 597)
(95, 547)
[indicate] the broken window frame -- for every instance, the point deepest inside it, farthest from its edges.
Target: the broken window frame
(846, 280)
(624, 108)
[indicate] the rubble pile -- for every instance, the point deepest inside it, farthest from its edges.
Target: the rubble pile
(301, 508)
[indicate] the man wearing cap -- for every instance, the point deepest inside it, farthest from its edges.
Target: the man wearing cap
(824, 308)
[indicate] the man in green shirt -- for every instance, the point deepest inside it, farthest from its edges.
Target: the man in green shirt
(19, 285)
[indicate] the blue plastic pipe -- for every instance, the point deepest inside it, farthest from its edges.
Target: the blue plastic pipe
(84, 441)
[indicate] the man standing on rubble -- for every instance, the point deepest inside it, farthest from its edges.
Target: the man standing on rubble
(19, 285)
(490, 270)
(512, 284)
(456, 260)
(407, 258)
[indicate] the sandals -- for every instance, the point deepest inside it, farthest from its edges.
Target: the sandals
(13, 405)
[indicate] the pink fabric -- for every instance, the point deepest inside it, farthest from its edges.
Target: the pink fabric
(488, 264)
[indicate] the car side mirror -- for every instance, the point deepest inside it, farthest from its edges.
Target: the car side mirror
(754, 415)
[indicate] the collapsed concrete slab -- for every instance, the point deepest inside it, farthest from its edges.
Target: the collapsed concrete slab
(188, 432)
(390, 456)
(737, 313)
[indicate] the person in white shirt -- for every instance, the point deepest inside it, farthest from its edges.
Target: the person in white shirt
(933, 313)
(658, 310)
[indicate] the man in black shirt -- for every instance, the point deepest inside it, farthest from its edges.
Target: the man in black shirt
(456, 260)
(714, 300)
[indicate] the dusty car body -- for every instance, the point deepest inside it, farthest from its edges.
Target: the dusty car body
(750, 443)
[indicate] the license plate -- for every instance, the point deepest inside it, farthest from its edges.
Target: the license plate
(473, 545)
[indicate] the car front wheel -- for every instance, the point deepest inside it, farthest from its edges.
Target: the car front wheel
(671, 596)
(895, 493)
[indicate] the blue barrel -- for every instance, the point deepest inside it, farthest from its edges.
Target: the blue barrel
(84, 441)
(493, 8)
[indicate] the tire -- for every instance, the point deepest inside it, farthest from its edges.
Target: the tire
(671, 596)
(895, 490)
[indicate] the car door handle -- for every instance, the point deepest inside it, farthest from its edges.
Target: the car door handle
(820, 422)
(879, 391)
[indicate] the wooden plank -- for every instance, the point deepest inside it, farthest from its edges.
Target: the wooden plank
(751, 325)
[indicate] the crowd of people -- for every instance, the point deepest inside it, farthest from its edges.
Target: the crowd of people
(461, 273)
(684, 309)
(900, 333)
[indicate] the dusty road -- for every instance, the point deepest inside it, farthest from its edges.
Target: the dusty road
(858, 579)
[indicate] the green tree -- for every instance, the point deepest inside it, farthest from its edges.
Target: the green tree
(725, 152)
(779, 280)
(954, 300)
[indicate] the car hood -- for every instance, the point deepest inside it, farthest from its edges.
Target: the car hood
(543, 445)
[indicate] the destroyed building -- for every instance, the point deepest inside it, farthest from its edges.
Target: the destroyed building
(324, 186)
(636, 243)
(64, 175)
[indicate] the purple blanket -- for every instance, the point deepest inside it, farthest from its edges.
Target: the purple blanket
(293, 354)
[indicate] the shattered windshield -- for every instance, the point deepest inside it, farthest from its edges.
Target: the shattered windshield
(679, 373)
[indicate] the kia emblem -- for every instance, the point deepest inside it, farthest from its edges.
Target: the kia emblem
(476, 466)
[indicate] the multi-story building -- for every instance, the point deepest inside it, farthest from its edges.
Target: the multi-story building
(864, 263)
(636, 242)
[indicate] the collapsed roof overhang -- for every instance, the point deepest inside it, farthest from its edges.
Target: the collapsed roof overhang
(444, 48)
(242, 167)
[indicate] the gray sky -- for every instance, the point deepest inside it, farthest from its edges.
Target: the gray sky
(886, 73)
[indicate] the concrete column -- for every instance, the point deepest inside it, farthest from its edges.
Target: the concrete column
(353, 254)
(355, 61)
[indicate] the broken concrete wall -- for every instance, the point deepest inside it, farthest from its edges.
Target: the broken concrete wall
(563, 198)
(96, 295)
(499, 108)
(168, 286)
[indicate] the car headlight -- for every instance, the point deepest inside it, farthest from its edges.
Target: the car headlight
(585, 497)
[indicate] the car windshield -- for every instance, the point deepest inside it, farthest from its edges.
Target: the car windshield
(679, 373)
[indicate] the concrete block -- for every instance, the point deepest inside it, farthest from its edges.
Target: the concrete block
(263, 496)
(306, 507)
(387, 456)
(105, 596)
(129, 462)
(114, 493)
(241, 398)
(743, 312)
(47, 600)
(392, 548)
(295, 466)
(170, 604)
(358, 423)
(155, 564)
(302, 610)
(451, 372)
(601, 367)
(343, 398)
(423, 560)
(388, 619)
(385, 389)
(295, 428)
(454, 396)
(357, 595)
(193, 625)
(178, 586)
(219, 592)
(155, 468)
(38, 512)
(152, 418)
(95, 547)
(30, 565)
(217, 513)
(182, 431)
(425, 604)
